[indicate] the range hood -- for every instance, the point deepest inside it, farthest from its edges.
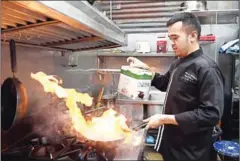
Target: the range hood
(61, 25)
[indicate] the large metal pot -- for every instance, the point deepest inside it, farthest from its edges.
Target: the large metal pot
(155, 109)
(109, 100)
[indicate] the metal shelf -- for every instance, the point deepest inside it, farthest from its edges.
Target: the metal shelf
(152, 145)
(169, 54)
(232, 53)
(129, 101)
(93, 70)
(209, 13)
(206, 42)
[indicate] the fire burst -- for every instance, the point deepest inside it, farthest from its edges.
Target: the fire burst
(108, 126)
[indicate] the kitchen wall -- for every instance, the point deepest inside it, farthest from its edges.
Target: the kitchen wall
(50, 62)
(224, 32)
(148, 16)
(230, 31)
(162, 63)
(29, 60)
(222, 5)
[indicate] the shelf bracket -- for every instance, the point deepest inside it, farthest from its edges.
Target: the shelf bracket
(100, 61)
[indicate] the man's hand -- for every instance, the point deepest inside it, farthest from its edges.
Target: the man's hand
(160, 119)
(134, 62)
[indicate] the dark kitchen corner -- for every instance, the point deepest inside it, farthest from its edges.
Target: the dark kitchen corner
(68, 92)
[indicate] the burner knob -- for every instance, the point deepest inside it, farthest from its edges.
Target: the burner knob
(141, 95)
(110, 155)
(80, 157)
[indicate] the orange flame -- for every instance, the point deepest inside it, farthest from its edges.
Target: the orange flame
(107, 127)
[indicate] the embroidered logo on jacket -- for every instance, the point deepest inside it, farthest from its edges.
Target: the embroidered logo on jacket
(189, 78)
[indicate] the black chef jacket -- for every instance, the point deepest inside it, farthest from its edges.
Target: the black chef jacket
(195, 95)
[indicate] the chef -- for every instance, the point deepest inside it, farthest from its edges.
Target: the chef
(194, 99)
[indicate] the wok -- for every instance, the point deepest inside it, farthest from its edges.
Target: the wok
(14, 96)
(106, 142)
(114, 141)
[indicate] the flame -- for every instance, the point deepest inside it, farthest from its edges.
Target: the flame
(106, 127)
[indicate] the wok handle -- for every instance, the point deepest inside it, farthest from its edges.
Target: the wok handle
(13, 56)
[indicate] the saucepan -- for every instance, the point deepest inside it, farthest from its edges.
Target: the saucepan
(109, 100)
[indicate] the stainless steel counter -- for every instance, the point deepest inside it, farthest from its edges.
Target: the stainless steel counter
(121, 99)
(130, 101)
(129, 151)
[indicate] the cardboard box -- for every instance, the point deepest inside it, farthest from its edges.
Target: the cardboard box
(134, 83)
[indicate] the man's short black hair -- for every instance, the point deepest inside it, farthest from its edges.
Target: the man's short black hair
(190, 21)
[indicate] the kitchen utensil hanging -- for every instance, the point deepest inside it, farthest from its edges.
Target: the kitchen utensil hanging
(14, 98)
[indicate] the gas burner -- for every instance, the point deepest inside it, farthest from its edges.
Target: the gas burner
(97, 151)
(57, 148)
(45, 149)
(91, 155)
(107, 150)
(99, 155)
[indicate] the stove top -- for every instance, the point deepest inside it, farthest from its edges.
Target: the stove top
(67, 148)
(37, 137)
(59, 148)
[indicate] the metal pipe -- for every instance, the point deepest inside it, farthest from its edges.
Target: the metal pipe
(111, 9)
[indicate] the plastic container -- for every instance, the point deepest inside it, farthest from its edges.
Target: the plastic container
(134, 83)
(228, 149)
(207, 38)
(162, 45)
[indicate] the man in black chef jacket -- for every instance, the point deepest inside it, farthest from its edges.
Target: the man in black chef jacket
(194, 98)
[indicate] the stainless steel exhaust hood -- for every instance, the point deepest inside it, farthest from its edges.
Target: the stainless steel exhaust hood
(61, 25)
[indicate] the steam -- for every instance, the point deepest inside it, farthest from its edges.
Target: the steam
(51, 117)
(61, 116)
(131, 148)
